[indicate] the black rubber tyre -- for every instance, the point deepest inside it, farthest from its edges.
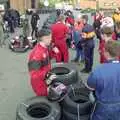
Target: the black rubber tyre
(38, 108)
(19, 50)
(69, 116)
(66, 73)
(77, 96)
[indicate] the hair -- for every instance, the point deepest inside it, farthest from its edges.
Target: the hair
(118, 8)
(113, 48)
(85, 17)
(107, 30)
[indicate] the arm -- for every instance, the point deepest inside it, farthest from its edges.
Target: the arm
(36, 68)
(91, 82)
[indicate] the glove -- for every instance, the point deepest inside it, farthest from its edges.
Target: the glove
(50, 77)
(55, 49)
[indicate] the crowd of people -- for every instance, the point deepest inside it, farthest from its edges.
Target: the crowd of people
(104, 80)
(69, 31)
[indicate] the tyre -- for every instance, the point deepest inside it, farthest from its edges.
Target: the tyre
(69, 116)
(77, 96)
(66, 73)
(38, 108)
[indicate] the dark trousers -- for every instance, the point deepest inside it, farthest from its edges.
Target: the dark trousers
(89, 53)
(11, 25)
(34, 29)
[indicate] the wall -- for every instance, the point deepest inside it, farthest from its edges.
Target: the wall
(21, 5)
(87, 4)
(109, 4)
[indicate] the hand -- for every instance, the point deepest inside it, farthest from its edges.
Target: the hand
(84, 35)
(55, 49)
(50, 79)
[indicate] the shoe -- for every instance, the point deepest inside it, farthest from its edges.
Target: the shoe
(85, 71)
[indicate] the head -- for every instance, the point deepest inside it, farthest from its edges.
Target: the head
(117, 10)
(107, 33)
(112, 50)
(61, 18)
(45, 37)
(85, 19)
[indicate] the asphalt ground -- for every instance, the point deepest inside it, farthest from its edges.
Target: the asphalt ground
(14, 79)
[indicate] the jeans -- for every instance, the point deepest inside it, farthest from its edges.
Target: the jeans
(79, 53)
(79, 50)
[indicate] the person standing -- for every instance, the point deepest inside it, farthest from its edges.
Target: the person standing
(59, 34)
(105, 80)
(78, 26)
(26, 27)
(34, 21)
(1, 32)
(88, 44)
(39, 65)
(107, 34)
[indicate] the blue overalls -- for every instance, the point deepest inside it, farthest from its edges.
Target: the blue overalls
(106, 81)
(88, 47)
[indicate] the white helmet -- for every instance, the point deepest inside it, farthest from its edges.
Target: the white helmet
(107, 22)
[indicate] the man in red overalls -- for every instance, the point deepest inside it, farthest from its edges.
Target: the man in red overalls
(59, 32)
(107, 34)
(39, 65)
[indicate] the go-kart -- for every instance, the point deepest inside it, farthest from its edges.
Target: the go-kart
(22, 44)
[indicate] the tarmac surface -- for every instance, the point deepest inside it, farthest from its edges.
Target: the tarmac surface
(14, 79)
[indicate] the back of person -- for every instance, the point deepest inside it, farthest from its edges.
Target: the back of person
(108, 89)
(59, 31)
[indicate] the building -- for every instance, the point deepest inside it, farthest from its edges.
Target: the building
(22, 5)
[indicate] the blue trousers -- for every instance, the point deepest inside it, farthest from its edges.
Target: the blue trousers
(79, 50)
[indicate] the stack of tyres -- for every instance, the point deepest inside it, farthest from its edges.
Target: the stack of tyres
(76, 105)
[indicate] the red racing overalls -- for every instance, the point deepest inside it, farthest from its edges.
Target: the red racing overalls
(59, 31)
(39, 65)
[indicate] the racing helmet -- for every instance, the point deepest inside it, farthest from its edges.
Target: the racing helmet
(57, 91)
